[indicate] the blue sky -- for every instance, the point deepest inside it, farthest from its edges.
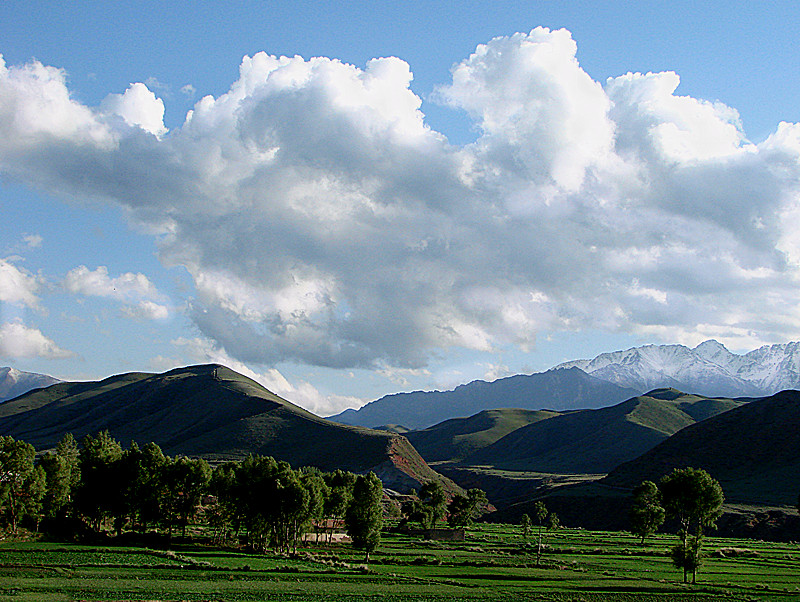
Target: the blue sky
(498, 200)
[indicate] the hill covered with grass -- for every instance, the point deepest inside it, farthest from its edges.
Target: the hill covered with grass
(209, 411)
(596, 441)
(752, 450)
(458, 438)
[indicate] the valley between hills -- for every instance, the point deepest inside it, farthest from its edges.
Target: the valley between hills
(582, 461)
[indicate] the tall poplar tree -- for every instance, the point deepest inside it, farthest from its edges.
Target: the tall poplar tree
(364, 517)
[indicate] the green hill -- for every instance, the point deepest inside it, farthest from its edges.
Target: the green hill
(209, 411)
(458, 438)
(596, 441)
(752, 450)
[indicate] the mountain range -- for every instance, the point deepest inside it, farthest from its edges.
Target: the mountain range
(15, 382)
(518, 433)
(510, 453)
(555, 390)
(709, 369)
(214, 412)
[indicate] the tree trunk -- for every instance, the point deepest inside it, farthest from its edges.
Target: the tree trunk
(13, 506)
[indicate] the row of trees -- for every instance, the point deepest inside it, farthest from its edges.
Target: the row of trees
(690, 496)
(140, 489)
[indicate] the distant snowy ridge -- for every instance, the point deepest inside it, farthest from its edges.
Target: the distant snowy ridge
(708, 369)
(14, 383)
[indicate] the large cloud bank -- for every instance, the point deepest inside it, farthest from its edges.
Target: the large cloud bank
(324, 222)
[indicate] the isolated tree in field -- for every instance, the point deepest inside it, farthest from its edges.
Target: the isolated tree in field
(464, 508)
(695, 499)
(434, 500)
(540, 515)
(21, 483)
(646, 514)
(525, 524)
(364, 517)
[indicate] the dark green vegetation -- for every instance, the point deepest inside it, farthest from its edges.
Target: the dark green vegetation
(85, 494)
(364, 515)
(494, 563)
(209, 411)
(563, 389)
(753, 451)
(22, 484)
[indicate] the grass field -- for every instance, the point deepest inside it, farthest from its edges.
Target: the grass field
(494, 563)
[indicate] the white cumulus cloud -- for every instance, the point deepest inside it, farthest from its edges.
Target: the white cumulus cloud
(19, 341)
(138, 106)
(98, 283)
(136, 290)
(323, 222)
(17, 285)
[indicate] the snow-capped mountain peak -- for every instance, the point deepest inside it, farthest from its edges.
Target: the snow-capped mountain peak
(708, 369)
(14, 383)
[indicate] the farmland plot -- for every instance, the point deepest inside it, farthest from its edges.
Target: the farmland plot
(494, 563)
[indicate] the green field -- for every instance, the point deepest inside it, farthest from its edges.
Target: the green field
(494, 563)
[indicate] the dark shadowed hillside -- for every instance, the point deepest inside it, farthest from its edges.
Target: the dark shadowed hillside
(753, 451)
(552, 390)
(596, 441)
(209, 411)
